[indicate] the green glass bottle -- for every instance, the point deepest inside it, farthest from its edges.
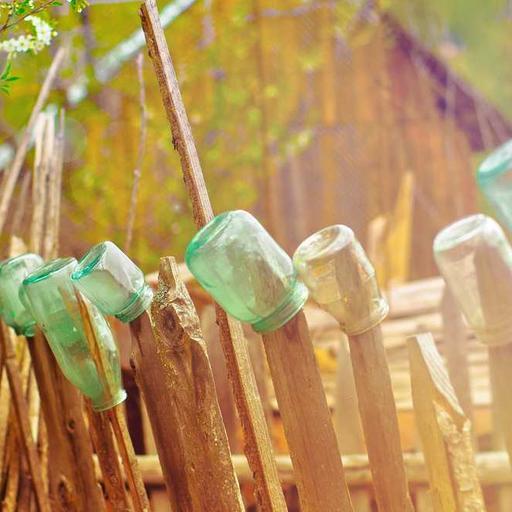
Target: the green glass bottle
(494, 177)
(52, 298)
(12, 273)
(111, 281)
(245, 271)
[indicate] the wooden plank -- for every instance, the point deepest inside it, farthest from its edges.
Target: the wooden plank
(306, 418)
(258, 447)
(196, 445)
(445, 431)
(379, 419)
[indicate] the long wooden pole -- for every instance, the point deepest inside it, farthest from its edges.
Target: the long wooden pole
(444, 429)
(258, 447)
(190, 436)
(306, 418)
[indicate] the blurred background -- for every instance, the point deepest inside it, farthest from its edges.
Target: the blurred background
(307, 113)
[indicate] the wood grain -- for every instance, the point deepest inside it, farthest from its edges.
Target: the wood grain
(445, 431)
(306, 418)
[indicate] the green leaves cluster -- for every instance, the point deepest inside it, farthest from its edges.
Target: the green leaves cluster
(6, 78)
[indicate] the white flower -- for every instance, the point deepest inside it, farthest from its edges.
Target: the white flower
(43, 35)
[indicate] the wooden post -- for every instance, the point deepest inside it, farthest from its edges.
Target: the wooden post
(379, 419)
(341, 278)
(494, 278)
(258, 447)
(25, 438)
(174, 374)
(306, 418)
(116, 417)
(444, 429)
(131, 467)
(347, 422)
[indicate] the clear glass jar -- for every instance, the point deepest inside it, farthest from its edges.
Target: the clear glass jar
(111, 281)
(53, 302)
(246, 272)
(341, 279)
(12, 273)
(494, 177)
(475, 259)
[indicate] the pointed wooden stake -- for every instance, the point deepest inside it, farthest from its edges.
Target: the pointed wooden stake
(174, 373)
(444, 429)
(258, 447)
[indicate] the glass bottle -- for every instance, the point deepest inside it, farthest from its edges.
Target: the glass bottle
(246, 272)
(12, 273)
(475, 259)
(341, 279)
(53, 302)
(494, 177)
(111, 281)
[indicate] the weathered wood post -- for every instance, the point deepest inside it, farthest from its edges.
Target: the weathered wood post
(252, 278)
(341, 279)
(257, 442)
(174, 374)
(445, 431)
(475, 259)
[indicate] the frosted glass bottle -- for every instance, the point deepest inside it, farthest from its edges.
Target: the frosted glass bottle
(52, 298)
(475, 259)
(111, 281)
(341, 279)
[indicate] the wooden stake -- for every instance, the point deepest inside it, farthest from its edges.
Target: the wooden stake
(444, 429)
(380, 421)
(173, 370)
(258, 447)
(73, 484)
(455, 343)
(131, 466)
(108, 459)
(25, 438)
(494, 278)
(347, 423)
(306, 418)
(115, 415)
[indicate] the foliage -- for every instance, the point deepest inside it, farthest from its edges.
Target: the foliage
(217, 47)
(6, 78)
